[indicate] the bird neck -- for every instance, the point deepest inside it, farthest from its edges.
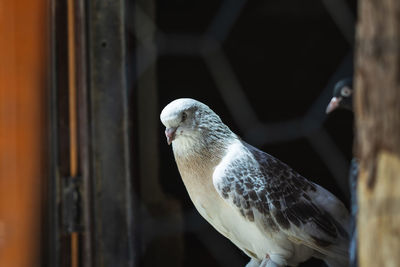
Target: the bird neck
(196, 165)
(205, 150)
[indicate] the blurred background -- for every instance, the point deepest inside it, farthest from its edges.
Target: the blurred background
(102, 186)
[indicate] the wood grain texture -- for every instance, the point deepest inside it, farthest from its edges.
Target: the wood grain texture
(377, 108)
(379, 215)
(24, 54)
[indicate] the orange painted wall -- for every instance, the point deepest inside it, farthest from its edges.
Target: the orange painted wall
(24, 51)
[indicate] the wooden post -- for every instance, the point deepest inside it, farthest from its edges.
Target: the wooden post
(377, 107)
(24, 51)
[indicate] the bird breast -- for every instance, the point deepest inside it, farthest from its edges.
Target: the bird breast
(197, 178)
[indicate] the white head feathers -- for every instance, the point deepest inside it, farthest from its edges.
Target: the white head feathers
(171, 115)
(193, 125)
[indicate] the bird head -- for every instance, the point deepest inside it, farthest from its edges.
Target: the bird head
(189, 121)
(342, 96)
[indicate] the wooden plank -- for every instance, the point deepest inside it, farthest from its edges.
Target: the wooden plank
(23, 81)
(377, 110)
(115, 219)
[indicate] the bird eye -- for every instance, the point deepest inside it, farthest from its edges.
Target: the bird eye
(184, 116)
(346, 92)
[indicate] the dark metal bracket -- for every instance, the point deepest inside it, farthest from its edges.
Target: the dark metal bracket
(71, 204)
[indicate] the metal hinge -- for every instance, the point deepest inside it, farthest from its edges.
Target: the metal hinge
(71, 204)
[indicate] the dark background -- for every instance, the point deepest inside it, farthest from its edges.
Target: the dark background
(282, 59)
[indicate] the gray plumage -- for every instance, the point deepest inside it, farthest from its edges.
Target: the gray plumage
(342, 98)
(272, 213)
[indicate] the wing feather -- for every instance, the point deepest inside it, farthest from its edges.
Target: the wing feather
(275, 197)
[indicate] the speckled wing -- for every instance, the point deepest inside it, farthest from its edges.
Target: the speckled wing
(275, 197)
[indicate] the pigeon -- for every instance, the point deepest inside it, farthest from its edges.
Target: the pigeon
(343, 99)
(269, 211)
(342, 96)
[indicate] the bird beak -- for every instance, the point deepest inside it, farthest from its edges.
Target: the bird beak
(335, 101)
(170, 134)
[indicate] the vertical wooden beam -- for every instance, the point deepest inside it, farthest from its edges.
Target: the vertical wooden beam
(73, 154)
(24, 46)
(110, 136)
(377, 111)
(59, 137)
(73, 124)
(83, 133)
